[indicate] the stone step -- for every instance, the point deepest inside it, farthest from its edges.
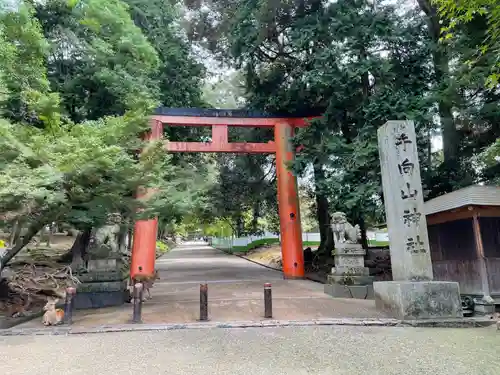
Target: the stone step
(350, 271)
(105, 286)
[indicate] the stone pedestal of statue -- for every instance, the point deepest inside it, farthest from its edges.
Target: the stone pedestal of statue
(104, 279)
(349, 278)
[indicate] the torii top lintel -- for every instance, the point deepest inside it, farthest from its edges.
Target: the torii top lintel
(219, 120)
(230, 117)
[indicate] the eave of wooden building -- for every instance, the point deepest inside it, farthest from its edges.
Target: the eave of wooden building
(475, 195)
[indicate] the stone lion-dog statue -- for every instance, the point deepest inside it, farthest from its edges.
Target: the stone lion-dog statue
(343, 231)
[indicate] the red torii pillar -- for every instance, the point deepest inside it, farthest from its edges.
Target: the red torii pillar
(292, 253)
(145, 231)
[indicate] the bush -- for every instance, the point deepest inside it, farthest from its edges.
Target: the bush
(161, 248)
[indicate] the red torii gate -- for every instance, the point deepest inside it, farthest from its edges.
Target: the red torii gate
(145, 231)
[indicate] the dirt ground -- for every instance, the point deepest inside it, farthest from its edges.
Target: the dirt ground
(38, 252)
(60, 242)
(268, 256)
(378, 260)
(34, 252)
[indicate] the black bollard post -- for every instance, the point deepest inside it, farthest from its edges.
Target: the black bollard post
(268, 301)
(203, 302)
(137, 314)
(68, 306)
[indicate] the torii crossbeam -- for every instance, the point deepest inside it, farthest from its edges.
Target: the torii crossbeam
(144, 246)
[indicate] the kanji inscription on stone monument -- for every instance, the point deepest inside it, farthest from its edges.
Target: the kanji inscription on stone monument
(404, 204)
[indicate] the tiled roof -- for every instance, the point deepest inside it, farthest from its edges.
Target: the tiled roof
(475, 195)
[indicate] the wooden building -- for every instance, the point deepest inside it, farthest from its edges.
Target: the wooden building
(464, 237)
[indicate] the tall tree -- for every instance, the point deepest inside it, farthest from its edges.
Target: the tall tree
(357, 64)
(80, 172)
(474, 48)
(444, 92)
(361, 63)
(99, 61)
(461, 12)
(24, 50)
(179, 77)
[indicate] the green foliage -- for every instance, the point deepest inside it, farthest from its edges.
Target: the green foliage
(474, 97)
(161, 247)
(23, 50)
(99, 61)
(359, 77)
(81, 162)
(178, 80)
(460, 12)
(245, 190)
(179, 77)
(255, 244)
(87, 73)
(86, 171)
(361, 63)
(491, 155)
(490, 160)
(225, 91)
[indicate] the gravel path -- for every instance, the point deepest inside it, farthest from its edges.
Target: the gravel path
(273, 351)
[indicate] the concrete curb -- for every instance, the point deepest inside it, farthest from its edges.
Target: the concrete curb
(451, 323)
(65, 330)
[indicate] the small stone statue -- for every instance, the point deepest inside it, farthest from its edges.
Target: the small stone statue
(105, 239)
(107, 235)
(343, 232)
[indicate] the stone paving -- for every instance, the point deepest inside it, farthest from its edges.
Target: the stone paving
(297, 346)
(271, 351)
(235, 294)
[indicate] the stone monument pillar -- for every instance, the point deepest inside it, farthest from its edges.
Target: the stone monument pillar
(413, 294)
(349, 278)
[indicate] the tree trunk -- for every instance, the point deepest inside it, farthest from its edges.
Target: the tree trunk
(365, 78)
(18, 232)
(161, 231)
(450, 135)
(14, 233)
(122, 239)
(429, 151)
(255, 218)
(362, 227)
(130, 232)
(13, 251)
(239, 226)
(322, 207)
(79, 249)
(442, 72)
